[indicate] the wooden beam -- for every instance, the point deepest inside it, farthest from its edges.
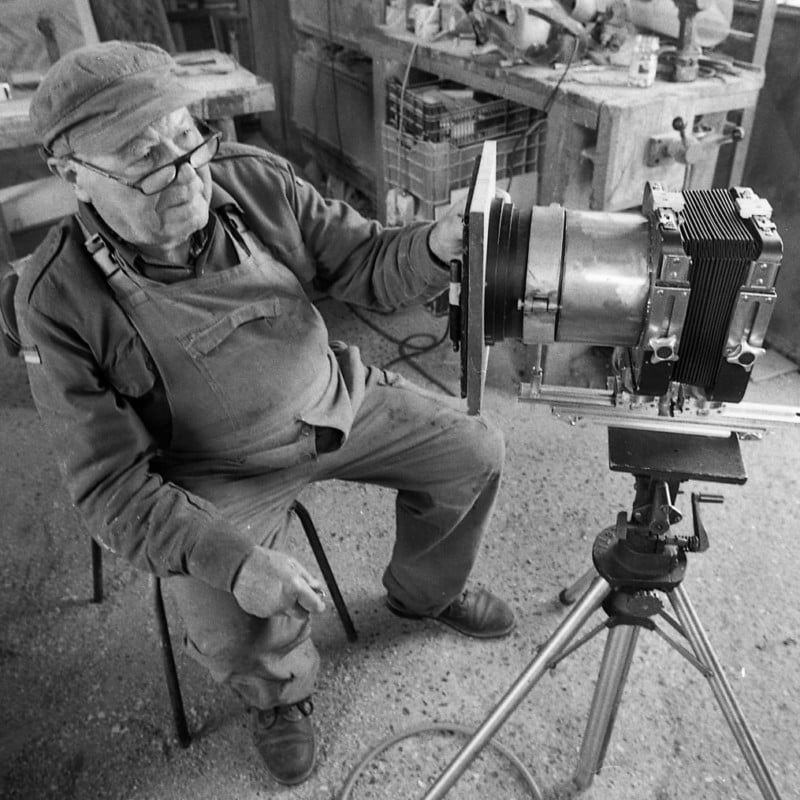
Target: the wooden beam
(40, 202)
(765, 21)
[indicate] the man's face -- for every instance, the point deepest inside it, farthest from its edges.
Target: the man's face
(164, 220)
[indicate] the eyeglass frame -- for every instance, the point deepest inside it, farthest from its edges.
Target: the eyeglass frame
(176, 164)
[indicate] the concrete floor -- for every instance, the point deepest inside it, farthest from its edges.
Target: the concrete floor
(85, 714)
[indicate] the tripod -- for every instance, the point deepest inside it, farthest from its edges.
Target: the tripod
(632, 561)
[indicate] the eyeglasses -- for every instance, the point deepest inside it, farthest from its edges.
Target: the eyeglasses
(160, 178)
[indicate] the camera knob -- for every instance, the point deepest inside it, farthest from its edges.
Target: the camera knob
(744, 354)
(663, 348)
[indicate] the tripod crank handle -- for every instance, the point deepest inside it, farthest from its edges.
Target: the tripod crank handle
(699, 542)
(707, 498)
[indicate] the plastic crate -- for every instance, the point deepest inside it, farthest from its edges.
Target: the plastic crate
(431, 170)
(443, 111)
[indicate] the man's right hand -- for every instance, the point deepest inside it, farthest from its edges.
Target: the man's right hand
(271, 582)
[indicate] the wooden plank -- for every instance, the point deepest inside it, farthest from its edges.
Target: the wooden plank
(623, 138)
(763, 35)
(85, 17)
(132, 20)
(533, 84)
(7, 253)
(379, 74)
(229, 92)
(15, 127)
(272, 60)
(454, 59)
(39, 202)
(624, 133)
(475, 359)
(23, 45)
(701, 175)
(597, 133)
(233, 102)
(343, 22)
(566, 174)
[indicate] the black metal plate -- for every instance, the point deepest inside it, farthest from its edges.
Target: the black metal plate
(676, 456)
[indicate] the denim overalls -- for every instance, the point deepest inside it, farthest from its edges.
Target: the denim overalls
(250, 377)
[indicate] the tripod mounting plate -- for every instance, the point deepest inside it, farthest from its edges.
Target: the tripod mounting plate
(676, 456)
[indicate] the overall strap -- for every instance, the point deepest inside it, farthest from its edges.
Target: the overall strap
(233, 220)
(106, 259)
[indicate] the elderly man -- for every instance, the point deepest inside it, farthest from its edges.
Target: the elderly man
(192, 391)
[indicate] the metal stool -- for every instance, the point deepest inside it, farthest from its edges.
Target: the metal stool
(170, 671)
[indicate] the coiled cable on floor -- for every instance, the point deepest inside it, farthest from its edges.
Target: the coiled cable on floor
(447, 727)
(408, 349)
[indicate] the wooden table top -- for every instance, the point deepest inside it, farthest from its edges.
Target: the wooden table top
(229, 89)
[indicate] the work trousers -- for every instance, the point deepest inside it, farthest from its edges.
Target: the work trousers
(446, 468)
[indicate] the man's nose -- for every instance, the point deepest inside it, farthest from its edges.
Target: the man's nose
(186, 173)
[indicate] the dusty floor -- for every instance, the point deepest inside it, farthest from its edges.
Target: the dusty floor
(85, 714)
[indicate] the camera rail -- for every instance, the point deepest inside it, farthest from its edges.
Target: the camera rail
(626, 410)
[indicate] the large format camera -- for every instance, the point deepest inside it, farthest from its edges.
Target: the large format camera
(683, 291)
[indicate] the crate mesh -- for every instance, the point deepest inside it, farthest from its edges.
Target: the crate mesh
(442, 111)
(436, 151)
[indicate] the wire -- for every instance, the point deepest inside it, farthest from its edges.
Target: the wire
(534, 126)
(403, 88)
(407, 349)
(436, 726)
(519, 142)
(551, 98)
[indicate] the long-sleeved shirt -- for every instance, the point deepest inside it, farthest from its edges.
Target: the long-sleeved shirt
(99, 393)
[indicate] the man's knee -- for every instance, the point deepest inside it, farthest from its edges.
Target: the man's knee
(485, 445)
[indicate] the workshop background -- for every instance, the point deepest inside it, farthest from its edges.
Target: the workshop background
(85, 711)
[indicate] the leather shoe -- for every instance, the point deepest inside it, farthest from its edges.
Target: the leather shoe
(477, 613)
(284, 738)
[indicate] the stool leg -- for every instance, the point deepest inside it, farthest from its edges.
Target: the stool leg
(97, 572)
(171, 673)
(325, 568)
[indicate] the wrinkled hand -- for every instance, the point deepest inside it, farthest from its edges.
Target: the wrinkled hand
(271, 582)
(446, 237)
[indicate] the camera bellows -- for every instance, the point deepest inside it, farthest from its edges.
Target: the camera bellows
(722, 246)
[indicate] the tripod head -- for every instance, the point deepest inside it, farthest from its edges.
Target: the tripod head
(643, 552)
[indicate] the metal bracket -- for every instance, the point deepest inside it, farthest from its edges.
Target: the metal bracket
(665, 319)
(748, 327)
(541, 302)
(669, 296)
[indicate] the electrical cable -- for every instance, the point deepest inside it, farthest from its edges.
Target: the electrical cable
(381, 747)
(552, 96)
(403, 88)
(536, 124)
(407, 349)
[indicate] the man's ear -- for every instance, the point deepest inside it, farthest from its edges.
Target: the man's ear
(67, 170)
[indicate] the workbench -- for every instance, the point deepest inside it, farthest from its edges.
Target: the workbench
(229, 90)
(597, 139)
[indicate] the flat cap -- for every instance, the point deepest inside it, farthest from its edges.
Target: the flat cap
(100, 96)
